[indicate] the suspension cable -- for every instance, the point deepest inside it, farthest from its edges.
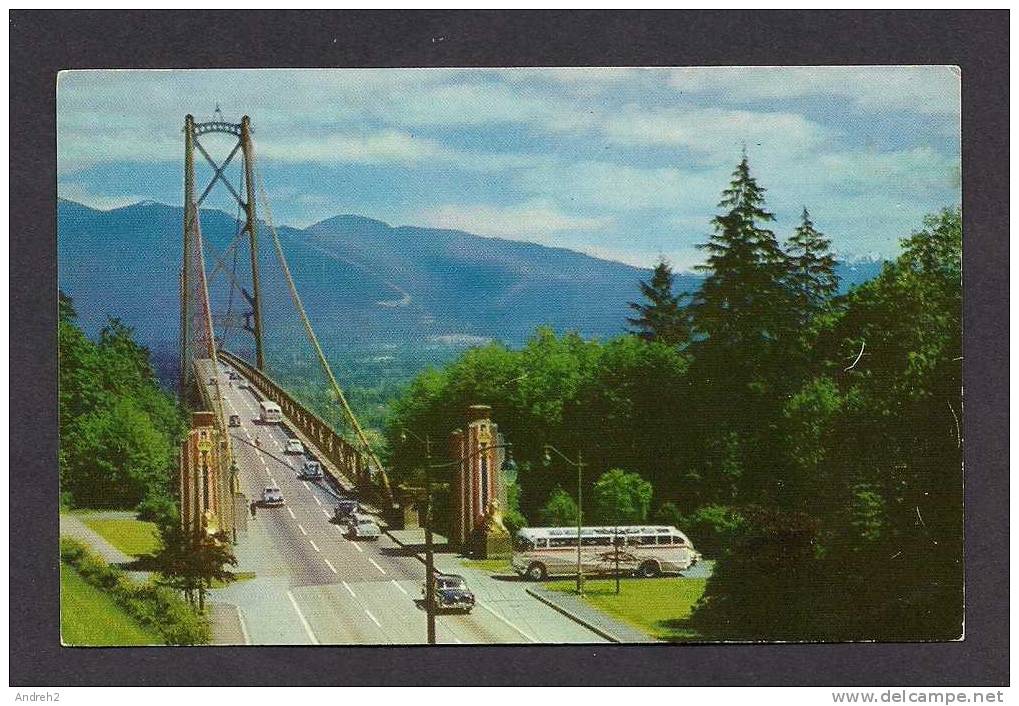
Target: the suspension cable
(313, 339)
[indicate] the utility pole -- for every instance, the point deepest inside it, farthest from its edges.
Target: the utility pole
(580, 522)
(429, 549)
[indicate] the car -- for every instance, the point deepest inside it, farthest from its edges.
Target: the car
(235, 420)
(451, 593)
(344, 510)
(363, 527)
(272, 496)
(311, 470)
(294, 446)
(233, 375)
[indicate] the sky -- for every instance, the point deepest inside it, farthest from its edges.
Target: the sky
(621, 163)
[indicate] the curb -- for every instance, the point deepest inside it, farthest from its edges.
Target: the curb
(575, 618)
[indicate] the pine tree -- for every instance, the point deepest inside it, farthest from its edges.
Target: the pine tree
(812, 275)
(743, 304)
(661, 318)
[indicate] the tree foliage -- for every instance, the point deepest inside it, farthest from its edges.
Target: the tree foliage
(118, 430)
(621, 498)
(809, 441)
(660, 317)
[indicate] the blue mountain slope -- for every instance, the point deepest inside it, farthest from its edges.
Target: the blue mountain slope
(361, 280)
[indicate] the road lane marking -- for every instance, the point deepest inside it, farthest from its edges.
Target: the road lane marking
(358, 548)
(376, 565)
(404, 590)
(503, 619)
(244, 627)
(303, 531)
(325, 512)
(458, 640)
(317, 500)
(304, 622)
(374, 619)
(349, 589)
(313, 545)
(331, 567)
(292, 515)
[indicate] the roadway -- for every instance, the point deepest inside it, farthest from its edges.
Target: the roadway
(313, 585)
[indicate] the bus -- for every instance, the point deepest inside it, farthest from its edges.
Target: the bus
(644, 550)
(269, 412)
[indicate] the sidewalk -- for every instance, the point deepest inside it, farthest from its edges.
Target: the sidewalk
(577, 609)
(73, 527)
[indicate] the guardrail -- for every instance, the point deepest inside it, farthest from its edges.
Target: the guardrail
(337, 450)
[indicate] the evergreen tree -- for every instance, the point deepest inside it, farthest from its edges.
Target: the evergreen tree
(743, 302)
(660, 318)
(812, 275)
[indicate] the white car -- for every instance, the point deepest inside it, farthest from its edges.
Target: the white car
(294, 446)
(272, 496)
(363, 527)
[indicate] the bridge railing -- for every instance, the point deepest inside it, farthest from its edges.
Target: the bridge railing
(347, 458)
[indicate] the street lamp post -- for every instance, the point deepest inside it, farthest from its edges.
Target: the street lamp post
(579, 465)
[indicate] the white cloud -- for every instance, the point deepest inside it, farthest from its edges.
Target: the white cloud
(74, 191)
(923, 89)
(538, 221)
(714, 132)
(385, 147)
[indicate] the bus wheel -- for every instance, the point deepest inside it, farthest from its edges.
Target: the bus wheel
(537, 572)
(650, 569)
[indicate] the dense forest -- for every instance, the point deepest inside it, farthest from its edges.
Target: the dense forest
(119, 431)
(810, 442)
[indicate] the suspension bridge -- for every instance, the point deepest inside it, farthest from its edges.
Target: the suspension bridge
(313, 584)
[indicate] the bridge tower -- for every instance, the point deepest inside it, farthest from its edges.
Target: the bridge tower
(197, 337)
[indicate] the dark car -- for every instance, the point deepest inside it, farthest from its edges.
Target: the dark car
(451, 594)
(344, 510)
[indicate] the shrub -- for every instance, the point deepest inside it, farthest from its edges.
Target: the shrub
(151, 605)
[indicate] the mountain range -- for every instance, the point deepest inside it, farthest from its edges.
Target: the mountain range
(363, 282)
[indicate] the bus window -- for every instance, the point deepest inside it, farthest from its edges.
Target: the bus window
(664, 539)
(541, 543)
(644, 539)
(562, 542)
(595, 541)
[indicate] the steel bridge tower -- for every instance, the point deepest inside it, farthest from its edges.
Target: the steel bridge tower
(197, 337)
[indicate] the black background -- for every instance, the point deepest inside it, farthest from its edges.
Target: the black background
(43, 43)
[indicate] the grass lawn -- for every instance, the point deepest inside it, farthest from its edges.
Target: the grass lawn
(238, 576)
(132, 537)
(493, 566)
(90, 617)
(660, 607)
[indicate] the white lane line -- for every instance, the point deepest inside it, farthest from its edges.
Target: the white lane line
(292, 515)
(374, 619)
(303, 531)
(358, 548)
(503, 619)
(325, 512)
(304, 622)
(402, 589)
(262, 459)
(458, 640)
(331, 567)
(244, 627)
(349, 589)
(319, 502)
(377, 566)
(313, 545)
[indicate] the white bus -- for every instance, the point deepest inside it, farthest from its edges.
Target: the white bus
(539, 552)
(269, 412)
